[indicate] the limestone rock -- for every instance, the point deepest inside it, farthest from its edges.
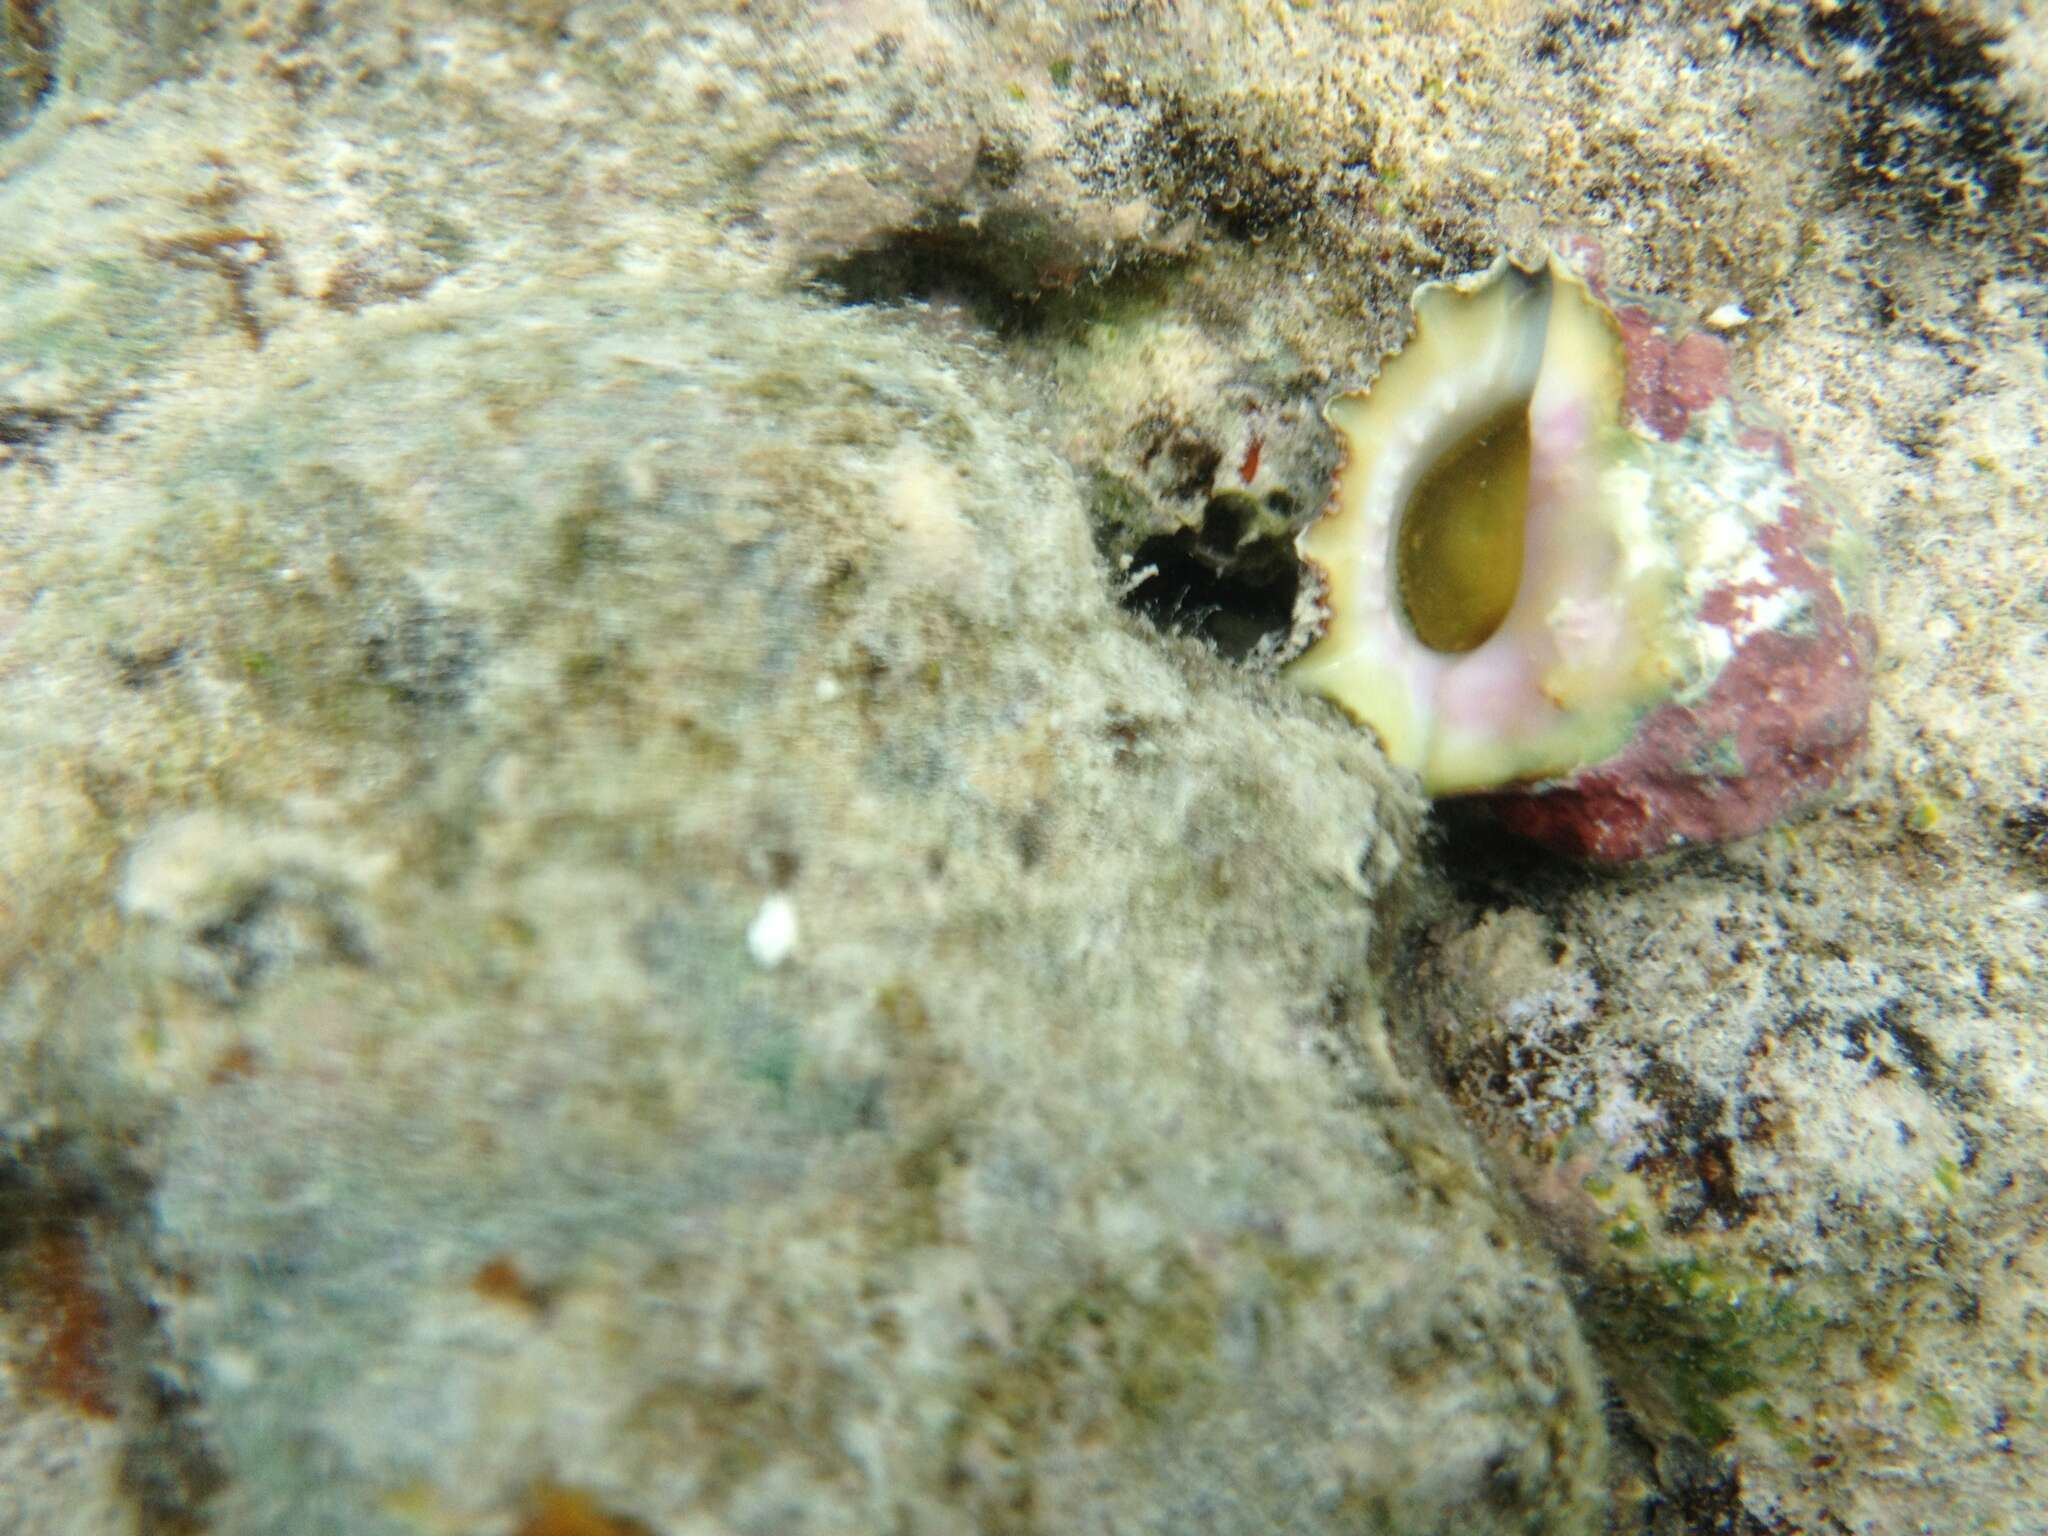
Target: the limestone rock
(633, 927)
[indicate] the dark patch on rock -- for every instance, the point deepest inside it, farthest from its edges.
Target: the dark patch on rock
(1492, 869)
(1219, 581)
(1697, 1493)
(1926, 123)
(423, 656)
(236, 255)
(141, 669)
(28, 53)
(1911, 1046)
(1017, 270)
(1195, 164)
(27, 426)
(1182, 457)
(1720, 1191)
(2025, 830)
(362, 281)
(273, 925)
(1570, 33)
(76, 1283)
(1693, 1152)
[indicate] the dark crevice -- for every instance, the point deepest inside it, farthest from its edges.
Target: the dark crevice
(77, 1288)
(1007, 274)
(1219, 581)
(1926, 121)
(944, 266)
(1492, 869)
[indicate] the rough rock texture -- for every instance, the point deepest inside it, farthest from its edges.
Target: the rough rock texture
(1781, 1105)
(397, 834)
(606, 922)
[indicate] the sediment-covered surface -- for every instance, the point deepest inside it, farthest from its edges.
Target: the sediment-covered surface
(650, 878)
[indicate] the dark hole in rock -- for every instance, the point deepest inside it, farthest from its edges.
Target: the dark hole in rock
(1492, 869)
(1225, 522)
(1017, 272)
(1217, 581)
(1001, 272)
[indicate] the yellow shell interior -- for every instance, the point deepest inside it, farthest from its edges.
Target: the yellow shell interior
(1458, 553)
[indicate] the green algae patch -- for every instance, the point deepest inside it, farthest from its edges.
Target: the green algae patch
(1942, 1409)
(1697, 1341)
(1764, 1414)
(1694, 1338)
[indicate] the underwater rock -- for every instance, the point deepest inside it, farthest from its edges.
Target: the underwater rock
(1566, 571)
(660, 948)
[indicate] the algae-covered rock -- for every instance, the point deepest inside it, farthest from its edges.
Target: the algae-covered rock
(602, 927)
(91, 51)
(1785, 1131)
(629, 931)
(1780, 1106)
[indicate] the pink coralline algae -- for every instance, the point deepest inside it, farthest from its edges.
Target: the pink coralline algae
(1568, 575)
(1786, 715)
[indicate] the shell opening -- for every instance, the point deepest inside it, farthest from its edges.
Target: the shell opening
(1458, 543)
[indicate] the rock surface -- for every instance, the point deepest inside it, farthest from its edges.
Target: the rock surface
(603, 926)
(606, 922)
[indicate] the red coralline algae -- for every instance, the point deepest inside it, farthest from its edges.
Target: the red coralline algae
(1669, 381)
(66, 1322)
(1779, 727)
(1787, 714)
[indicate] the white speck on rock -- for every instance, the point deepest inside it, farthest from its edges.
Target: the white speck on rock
(771, 936)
